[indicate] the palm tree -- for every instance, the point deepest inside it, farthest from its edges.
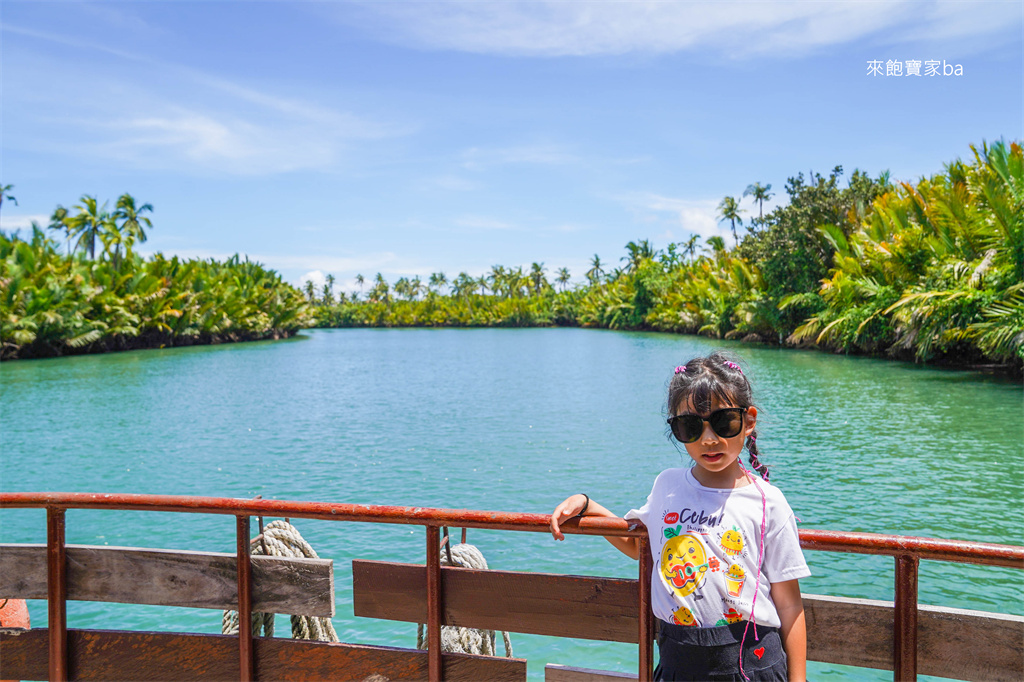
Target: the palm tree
(563, 277)
(690, 245)
(761, 194)
(59, 221)
(5, 193)
(415, 287)
(717, 245)
(463, 285)
(90, 222)
(537, 277)
(637, 253)
(310, 290)
(329, 288)
(132, 219)
(730, 210)
(438, 281)
(497, 279)
(380, 288)
(595, 271)
(326, 295)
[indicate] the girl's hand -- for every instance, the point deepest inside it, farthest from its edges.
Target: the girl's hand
(572, 506)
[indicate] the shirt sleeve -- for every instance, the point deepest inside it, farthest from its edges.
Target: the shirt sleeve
(784, 560)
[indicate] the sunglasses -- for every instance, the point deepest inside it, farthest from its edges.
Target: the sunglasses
(726, 422)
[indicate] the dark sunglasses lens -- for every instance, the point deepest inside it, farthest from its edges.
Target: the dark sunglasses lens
(727, 423)
(687, 428)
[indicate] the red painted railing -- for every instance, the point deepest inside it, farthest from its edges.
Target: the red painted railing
(908, 551)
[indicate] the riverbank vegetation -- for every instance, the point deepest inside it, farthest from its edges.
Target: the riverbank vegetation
(100, 295)
(930, 271)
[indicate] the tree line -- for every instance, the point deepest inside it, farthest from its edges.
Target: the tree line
(89, 291)
(930, 271)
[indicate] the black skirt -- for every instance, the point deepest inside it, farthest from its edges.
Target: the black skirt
(713, 654)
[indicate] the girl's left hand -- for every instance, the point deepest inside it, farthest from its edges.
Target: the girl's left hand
(568, 509)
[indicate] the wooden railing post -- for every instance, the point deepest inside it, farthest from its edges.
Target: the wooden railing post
(905, 619)
(646, 618)
(245, 651)
(434, 671)
(57, 594)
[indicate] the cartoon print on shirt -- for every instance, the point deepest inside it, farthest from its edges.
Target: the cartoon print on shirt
(732, 541)
(734, 580)
(730, 616)
(670, 518)
(684, 616)
(684, 563)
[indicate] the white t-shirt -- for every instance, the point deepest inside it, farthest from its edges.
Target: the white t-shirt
(704, 542)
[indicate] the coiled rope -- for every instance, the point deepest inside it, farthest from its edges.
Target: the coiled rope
(281, 538)
(460, 640)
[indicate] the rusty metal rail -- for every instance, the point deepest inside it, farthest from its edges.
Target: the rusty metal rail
(907, 551)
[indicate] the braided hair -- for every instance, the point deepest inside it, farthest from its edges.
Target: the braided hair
(701, 381)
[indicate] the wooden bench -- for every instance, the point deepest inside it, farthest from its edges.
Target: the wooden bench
(952, 643)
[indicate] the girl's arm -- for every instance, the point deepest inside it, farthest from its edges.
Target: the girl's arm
(790, 606)
(572, 506)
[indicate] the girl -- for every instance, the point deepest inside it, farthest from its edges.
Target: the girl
(727, 559)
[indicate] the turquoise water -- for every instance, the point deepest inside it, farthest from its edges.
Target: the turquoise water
(511, 420)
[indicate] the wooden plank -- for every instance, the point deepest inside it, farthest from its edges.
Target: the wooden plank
(857, 632)
(554, 672)
(952, 643)
(854, 632)
(970, 645)
(172, 657)
(535, 603)
(206, 580)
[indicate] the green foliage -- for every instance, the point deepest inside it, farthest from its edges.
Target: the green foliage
(55, 304)
(929, 270)
(787, 245)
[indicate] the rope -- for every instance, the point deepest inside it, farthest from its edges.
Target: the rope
(760, 559)
(281, 538)
(460, 640)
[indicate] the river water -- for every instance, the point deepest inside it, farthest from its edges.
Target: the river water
(504, 419)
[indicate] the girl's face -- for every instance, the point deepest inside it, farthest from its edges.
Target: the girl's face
(717, 457)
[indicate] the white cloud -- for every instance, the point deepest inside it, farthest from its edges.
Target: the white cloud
(681, 217)
(191, 119)
(561, 28)
(22, 222)
(316, 277)
(226, 144)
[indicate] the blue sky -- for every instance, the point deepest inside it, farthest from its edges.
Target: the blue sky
(414, 137)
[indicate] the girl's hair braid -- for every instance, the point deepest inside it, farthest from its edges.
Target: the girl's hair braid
(717, 376)
(755, 463)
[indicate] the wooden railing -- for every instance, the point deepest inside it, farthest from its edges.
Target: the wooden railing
(901, 636)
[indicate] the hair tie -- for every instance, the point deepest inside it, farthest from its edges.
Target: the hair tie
(733, 365)
(681, 369)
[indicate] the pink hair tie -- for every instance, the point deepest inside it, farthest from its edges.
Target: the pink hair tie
(681, 369)
(733, 365)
